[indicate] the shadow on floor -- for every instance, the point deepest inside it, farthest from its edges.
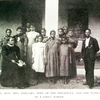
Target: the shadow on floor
(74, 83)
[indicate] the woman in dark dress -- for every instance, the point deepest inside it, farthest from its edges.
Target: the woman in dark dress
(21, 42)
(72, 60)
(12, 74)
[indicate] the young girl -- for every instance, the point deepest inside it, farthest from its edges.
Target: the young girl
(64, 67)
(52, 58)
(38, 56)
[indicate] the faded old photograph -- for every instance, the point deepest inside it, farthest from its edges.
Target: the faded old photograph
(49, 44)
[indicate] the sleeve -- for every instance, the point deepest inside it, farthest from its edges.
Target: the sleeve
(25, 40)
(46, 50)
(1, 42)
(5, 40)
(18, 52)
(15, 37)
(75, 44)
(33, 51)
(58, 46)
(5, 53)
(82, 50)
(38, 34)
(25, 43)
(96, 46)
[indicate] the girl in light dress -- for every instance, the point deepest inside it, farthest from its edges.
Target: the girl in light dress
(38, 57)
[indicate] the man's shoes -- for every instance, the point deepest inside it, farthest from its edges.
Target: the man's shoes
(90, 87)
(20, 87)
(85, 83)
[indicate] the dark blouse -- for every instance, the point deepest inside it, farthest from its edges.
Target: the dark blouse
(10, 53)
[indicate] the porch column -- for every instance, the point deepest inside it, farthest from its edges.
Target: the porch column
(51, 15)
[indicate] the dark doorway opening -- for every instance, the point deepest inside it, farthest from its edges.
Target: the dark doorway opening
(78, 21)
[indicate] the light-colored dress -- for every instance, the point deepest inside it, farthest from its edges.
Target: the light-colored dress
(38, 54)
(31, 36)
(52, 57)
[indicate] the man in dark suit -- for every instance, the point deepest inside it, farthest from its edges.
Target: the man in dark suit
(89, 49)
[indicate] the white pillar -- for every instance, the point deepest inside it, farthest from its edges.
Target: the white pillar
(51, 15)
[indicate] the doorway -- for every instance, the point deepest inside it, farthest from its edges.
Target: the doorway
(78, 21)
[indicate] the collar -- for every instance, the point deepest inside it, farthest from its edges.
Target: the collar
(10, 45)
(87, 38)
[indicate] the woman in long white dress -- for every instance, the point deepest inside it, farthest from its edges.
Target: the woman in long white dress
(31, 36)
(31, 39)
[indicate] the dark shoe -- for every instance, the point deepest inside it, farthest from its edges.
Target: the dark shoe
(85, 83)
(51, 81)
(26, 85)
(21, 87)
(91, 87)
(33, 82)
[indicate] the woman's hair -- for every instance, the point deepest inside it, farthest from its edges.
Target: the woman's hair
(52, 31)
(9, 30)
(39, 36)
(71, 33)
(43, 29)
(19, 28)
(61, 29)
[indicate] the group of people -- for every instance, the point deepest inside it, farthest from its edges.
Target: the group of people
(29, 54)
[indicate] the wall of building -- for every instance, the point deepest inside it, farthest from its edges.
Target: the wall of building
(10, 17)
(64, 5)
(35, 12)
(63, 14)
(15, 13)
(93, 7)
(94, 19)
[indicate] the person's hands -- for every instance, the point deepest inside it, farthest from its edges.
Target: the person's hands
(13, 61)
(18, 39)
(21, 63)
(81, 59)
